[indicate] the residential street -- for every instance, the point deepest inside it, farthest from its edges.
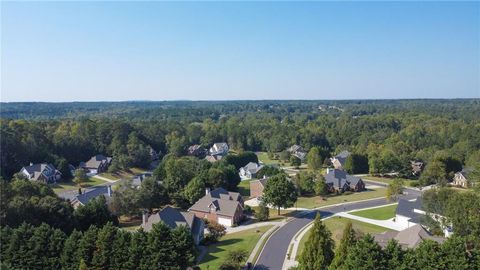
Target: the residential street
(275, 250)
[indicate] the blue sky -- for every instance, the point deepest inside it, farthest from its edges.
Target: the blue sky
(96, 51)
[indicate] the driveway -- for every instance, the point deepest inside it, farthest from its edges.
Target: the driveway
(276, 248)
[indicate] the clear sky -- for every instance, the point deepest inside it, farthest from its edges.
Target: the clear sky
(99, 51)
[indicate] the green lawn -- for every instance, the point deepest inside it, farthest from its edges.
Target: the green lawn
(263, 157)
(386, 180)
(274, 216)
(336, 226)
(245, 240)
(317, 201)
(381, 213)
(244, 188)
(70, 185)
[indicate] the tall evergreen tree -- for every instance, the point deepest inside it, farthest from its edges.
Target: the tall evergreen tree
(184, 247)
(161, 255)
(120, 250)
(138, 251)
(318, 252)
(394, 255)
(104, 251)
(348, 240)
(86, 246)
(70, 258)
(366, 254)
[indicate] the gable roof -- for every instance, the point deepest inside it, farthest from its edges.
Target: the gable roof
(96, 161)
(342, 157)
(339, 178)
(262, 181)
(95, 192)
(252, 167)
(224, 202)
(38, 169)
(408, 238)
(173, 218)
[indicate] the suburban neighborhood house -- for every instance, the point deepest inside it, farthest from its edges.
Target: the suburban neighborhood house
(97, 164)
(339, 181)
(417, 167)
(213, 159)
(461, 178)
(298, 151)
(410, 213)
(196, 150)
(42, 172)
(257, 187)
(173, 218)
(250, 170)
(219, 205)
(84, 198)
(339, 160)
(219, 149)
(408, 238)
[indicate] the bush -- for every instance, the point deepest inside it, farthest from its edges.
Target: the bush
(263, 212)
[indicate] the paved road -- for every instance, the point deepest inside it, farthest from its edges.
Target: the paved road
(276, 248)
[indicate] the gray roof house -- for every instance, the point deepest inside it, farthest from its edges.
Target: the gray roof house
(250, 170)
(43, 172)
(219, 205)
(219, 149)
(462, 178)
(298, 151)
(174, 218)
(85, 197)
(339, 160)
(340, 181)
(96, 164)
(408, 238)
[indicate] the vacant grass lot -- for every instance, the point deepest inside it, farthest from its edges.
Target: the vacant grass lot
(244, 188)
(317, 201)
(381, 213)
(336, 226)
(70, 185)
(245, 240)
(263, 157)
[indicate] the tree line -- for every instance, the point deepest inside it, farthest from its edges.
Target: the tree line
(385, 134)
(356, 251)
(107, 247)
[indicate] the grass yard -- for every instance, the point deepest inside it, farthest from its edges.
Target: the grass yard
(388, 180)
(317, 201)
(70, 185)
(129, 224)
(245, 240)
(244, 188)
(380, 213)
(336, 226)
(263, 157)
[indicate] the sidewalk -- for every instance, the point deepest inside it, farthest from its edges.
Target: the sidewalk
(252, 226)
(105, 179)
(260, 242)
(389, 224)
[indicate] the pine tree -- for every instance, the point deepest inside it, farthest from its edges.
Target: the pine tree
(55, 247)
(120, 252)
(103, 252)
(318, 252)
(394, 255)
(366, 254)
(70, 258)
(161, 255)
(138, 252)
(348, 240)
(184, 247)
(86, 246)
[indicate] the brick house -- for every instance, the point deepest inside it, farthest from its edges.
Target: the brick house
(219, 205)
(339, 181)
(257, 187)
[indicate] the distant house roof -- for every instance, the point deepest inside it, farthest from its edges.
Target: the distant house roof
(252, 167)
(408, 238)
(295, 148)
(224, 202)
(39, 169)
(96, 161)
(342, 157)
(465, 172)
(173, 218)
(339, 178)
(219, 149)
(417, 166)
(262, 181)
(95, 192)
(214, 158)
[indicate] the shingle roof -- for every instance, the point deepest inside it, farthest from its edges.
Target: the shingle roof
(252, 167)
(173, 218)
(335, 175)
(39, 168)
(342, 157)
(408, 238)
(95, 192)
(225, 202)
(96, 161)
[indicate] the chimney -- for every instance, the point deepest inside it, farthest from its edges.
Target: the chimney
(109, 190)
(328, 170)
(144, 217)
(207, 191)
(31, 164)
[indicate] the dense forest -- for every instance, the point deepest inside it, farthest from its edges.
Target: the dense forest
(389, 133)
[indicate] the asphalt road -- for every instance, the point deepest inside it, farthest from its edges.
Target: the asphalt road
(276, 248)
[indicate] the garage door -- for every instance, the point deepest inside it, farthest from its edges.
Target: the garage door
(225, 221)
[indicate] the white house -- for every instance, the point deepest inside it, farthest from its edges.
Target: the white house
(42, 172)
(219, 149)
(250, 170)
